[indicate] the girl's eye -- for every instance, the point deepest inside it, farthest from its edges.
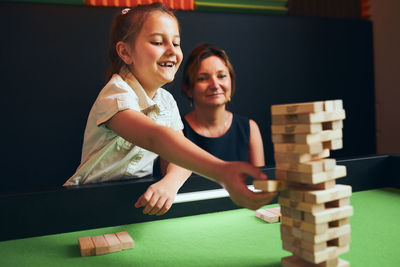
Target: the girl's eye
(222, 76)
(176, 44)
(156, 43)
(201, 79)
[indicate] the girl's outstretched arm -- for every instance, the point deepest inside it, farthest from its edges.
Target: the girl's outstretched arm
(144, 132)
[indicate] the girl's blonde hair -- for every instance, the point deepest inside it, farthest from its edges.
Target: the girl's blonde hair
(126, 27)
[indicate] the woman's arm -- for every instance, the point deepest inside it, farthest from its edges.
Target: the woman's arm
(256, 148)
(142, 131)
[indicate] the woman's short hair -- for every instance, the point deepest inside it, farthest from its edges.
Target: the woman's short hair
(192, 65)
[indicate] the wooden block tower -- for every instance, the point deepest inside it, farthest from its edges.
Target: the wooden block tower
(315, 210)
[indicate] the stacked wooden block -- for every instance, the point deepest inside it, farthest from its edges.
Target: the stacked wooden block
(315, 210)
(103, 244)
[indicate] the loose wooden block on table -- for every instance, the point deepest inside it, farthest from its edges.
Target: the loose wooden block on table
(314, 166)
(126, 240)
(324, 116)
(293, 261)
(101, 245)
(311, 178)
(86, 246)
(269, 185)
(294, 158)
(114, 243)
(267, 216)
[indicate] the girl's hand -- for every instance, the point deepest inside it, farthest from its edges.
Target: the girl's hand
(233, 176)
(158, 198)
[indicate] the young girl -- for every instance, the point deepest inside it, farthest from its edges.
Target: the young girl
(209, 83)
(133, 119)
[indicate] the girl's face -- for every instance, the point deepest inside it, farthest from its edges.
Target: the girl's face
(213, 83)
(156, 53)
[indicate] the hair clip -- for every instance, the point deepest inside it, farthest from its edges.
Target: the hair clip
(124, 11)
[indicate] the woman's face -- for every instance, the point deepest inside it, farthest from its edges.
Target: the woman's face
(156, 53)
(213, 83)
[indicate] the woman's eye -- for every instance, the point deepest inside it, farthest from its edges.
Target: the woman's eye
(201, 79)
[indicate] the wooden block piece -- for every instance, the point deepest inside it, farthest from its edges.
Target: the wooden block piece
(305, 226)
(322, 196)
(267, 216)
(114, 244)
(322, 136)
(313, 148)
(328, 215)
(269, 185)
(314, 166)
(331, 233)
(293, 261)
(276, 210)
(297, 128)
(86, 246)
(101, 245)
(126, 240)
(308, 118)
(286, 157)
(332, 125)
(311, 178)
(302, 206)
(297, 108)
(333, 144)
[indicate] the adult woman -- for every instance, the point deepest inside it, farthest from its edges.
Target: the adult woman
(209, 83)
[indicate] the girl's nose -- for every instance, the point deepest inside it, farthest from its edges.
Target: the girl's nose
(170, 49)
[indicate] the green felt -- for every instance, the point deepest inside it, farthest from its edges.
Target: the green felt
(231, 238)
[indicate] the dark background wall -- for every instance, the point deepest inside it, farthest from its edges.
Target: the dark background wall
(53, 59)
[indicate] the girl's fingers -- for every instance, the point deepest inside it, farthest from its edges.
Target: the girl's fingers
(165, 208)
(150, 204)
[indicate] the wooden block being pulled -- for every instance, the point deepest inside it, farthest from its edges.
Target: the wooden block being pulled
(269, 185)
(101, 245)
(297, 108)
(324, 116)
(86, 246)
(126, 240)
(114, 244)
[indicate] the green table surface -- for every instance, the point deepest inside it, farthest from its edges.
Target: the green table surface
(230, 238)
